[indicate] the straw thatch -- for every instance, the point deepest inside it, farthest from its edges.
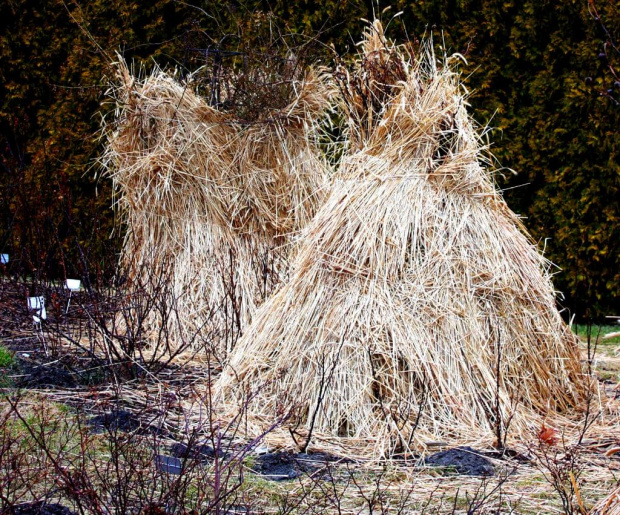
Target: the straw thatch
(211, 196)
(417, 308)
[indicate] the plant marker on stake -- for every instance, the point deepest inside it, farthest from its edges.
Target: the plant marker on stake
(72, 285)
(37, 304)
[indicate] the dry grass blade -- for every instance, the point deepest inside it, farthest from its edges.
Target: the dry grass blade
(418, 308)
(216, 196)
(610, 505)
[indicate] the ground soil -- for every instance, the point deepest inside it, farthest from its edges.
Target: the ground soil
(36, 508)
(281, 466)
(462, 460)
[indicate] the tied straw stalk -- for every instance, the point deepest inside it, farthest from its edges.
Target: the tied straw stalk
(213, 198)
(417, 307)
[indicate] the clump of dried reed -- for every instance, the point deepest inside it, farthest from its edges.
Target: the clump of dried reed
(216, 196)
(417, 308)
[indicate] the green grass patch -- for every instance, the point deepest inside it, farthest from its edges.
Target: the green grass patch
(597, 330)
(7, 359)
(602, 333)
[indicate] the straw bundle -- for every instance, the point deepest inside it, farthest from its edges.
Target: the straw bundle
(214, 198)
(417, 308)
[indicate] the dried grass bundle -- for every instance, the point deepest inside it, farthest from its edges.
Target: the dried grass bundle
(417, 309)
(216, 197)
